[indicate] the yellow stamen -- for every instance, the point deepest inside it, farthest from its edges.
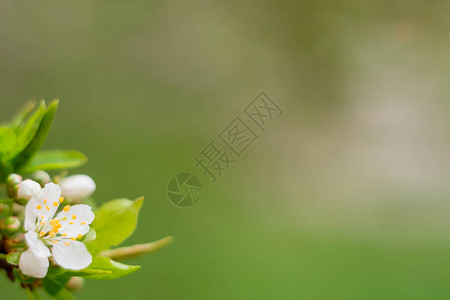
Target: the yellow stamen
(42, 223)
(42, 233)
(48, 208)
(55, 203)
(61, 199)
(55, 225)
(38, 206)
(66, 208)
(82, 223)
(64, 234)
(45, 201)
(71, 223)
(80, 236)
(73, 239)
(66, 243)
(42, 217)
(54, 242)
(74, 217)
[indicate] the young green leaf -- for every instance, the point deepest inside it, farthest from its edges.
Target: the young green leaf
(54, 282)
(115, 269)
(87, 272)
(57, 278)
(8, 140)
(30, 127)
(115, 221)
(55, 160)
(19, 118)
(22, 158)
(100, 268)
(13, 258)
(5, 167)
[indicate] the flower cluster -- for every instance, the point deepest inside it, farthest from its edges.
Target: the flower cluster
(53, 235)
(60, 234)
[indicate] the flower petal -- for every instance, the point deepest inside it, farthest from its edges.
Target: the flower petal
(71, 255)
(30, 215)
(33, 265)
(75, 220)
(36, 245)
(28, 189)
(77, 187)
(47, 202)
(73, 231)
(82, 212)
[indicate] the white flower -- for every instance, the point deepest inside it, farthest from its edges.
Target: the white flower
(28, 189)
(77, 187)
(60, 234)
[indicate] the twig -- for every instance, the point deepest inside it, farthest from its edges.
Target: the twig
(38, 297)
(29, 294)
(136, 250)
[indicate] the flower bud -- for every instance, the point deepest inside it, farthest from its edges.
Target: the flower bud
(13, 181)
(9, 226)
(41, 177)
(28, 189)
(77, 187)
(75, 283)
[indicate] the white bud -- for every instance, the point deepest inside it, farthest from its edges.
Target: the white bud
(75, 283)
(77, 187)
(28, 189)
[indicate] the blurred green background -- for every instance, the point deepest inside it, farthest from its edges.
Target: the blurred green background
(346, 196)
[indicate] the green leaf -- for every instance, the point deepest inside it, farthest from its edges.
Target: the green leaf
(115, 221)
(22, 158)
(114, 269)
(13, 258)
(8, 139)
(20, 117)
(29, 129)
(58, 277)
(89, 272)
(55, 281)
(100, 268)
(55, 160)
(5, 167)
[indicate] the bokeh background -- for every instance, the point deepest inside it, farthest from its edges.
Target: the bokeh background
(346, 196)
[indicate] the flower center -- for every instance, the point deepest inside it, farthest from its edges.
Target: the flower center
(49, 231)
(55, 226)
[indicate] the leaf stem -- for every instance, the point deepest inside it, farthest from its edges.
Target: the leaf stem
(38, 297)
(136, 250)
(29, 294)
